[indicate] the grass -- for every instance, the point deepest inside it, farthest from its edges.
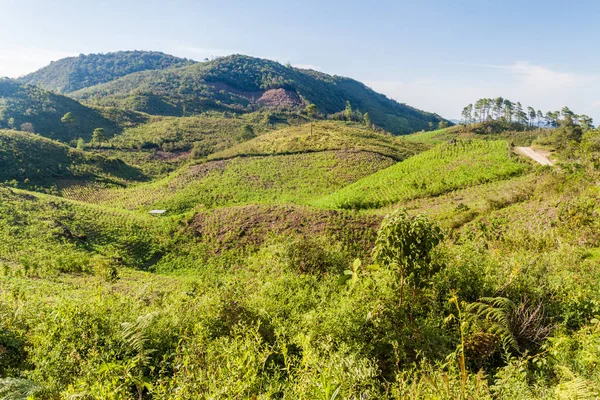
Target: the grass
(518, 134)
(326, 135)
(431, 138)
(47, 233)
(434, 172)
(31, 160)
(254, 292)
(295, 178)
(212, 133)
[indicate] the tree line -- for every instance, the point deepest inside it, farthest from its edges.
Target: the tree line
(500, 109)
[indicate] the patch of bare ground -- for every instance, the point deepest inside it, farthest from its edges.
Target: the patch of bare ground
(280, 98)
(251, 225)
(171, 156)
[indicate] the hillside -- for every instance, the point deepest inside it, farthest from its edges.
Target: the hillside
(73, 73)
(27, 107)
(206, 133)
(493, 266)
(295, 178)
(442, 169)
(243, 84)
(519, 134)
(326, 135)
(31, 160)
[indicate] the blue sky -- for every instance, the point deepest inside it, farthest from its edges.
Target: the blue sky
(435, 55)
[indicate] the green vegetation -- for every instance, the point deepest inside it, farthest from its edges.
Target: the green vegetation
(30, 160)
(206, 134)
(296, 178)
(32, 109)
(439, 170)
(516, 133)
(74, 73)
(500, 109)
(304, 253)
(243, 84)
(321, 136)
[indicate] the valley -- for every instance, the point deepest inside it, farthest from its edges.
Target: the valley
(320, 240)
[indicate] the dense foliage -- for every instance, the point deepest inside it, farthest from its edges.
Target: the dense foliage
(73, 73)
(243, 84)
(31, 109)
(30, 160)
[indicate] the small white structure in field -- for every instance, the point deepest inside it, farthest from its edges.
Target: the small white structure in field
(157, 212)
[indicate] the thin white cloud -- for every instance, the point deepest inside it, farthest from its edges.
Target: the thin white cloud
(536, 85)
(545, 78)
(18, 61)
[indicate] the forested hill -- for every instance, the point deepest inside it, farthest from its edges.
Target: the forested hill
(242, 84)
(32, 109)
(74, 73)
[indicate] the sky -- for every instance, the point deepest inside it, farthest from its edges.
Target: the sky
(431, 54)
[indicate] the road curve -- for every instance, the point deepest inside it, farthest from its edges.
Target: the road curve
(535, 156)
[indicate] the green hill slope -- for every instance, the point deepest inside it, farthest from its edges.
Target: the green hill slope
(520, 134)
(30, 159)
(326, 135)
(25, 104)
(206, 133)
(46, 233)
(74, 73)
(436, 171)
(243, 84)
(295, 178)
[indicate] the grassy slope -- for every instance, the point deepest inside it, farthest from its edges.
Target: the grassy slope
(326, 135)
(46, 233)
(297, 178)
(32, 159)
(43, 109)
(436, 171)
(519, 134)
(208, 133)
(530, 237)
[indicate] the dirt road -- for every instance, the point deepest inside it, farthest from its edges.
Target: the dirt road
(534, 155)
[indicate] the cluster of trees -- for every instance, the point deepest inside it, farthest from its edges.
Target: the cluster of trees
(349, 114)
(70, 74)
(501, 109)
(98, 135)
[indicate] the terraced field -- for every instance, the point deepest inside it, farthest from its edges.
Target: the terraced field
(439, 170)
(295, 178)
(48, 233)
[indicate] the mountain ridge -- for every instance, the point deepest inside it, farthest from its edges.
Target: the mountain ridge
(239, 83)
(73, 73)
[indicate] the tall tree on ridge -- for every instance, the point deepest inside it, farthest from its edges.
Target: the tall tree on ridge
(467, 114)
(508, 110)
(540, 117)
(498, 104)
(531, 113)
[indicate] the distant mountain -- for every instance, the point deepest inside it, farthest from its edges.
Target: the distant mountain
(74, 73)
(243, 84)
(33, 109)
